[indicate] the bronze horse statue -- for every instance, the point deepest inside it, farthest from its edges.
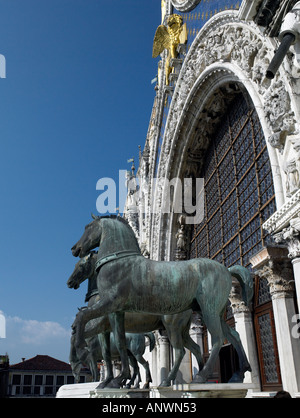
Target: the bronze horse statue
(136, 347)
(97, 342)
(177, 326)
(129, 282)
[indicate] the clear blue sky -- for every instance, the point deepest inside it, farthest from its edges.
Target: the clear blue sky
(74, 106)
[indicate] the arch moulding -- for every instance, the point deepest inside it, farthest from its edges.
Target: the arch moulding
(227, 56)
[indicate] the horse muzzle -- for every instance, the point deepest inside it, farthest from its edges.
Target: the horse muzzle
(72, 284)
(75, 251)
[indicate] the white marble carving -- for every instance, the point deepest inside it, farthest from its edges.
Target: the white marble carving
(225, 50)
(185, 5)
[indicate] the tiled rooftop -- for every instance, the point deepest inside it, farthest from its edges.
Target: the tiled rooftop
(41, 362)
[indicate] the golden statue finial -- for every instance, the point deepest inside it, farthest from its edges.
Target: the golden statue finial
(169, 37)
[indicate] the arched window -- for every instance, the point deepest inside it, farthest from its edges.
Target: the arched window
(239, 198)
(239, 192)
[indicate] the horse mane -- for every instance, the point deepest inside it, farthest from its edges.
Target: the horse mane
(123, 221)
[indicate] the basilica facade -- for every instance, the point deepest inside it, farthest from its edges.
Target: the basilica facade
(227, 112)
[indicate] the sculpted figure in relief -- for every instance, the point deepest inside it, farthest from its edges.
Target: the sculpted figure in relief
(292, 177)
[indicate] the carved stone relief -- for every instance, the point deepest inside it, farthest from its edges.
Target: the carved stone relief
(233, 50)
(281, 118)
(181, 240)
(185, 5)
(273, 264)
(290, 237)
(291, 169)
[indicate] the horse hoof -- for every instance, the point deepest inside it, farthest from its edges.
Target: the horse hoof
(104, 384)
(165, 384)
(117, 383)
(199, 379)
(114, 385)
(236, 378)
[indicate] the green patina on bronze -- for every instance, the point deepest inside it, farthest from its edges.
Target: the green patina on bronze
(177, 327)
(137, 284)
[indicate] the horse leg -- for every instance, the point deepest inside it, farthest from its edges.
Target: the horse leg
(74, 360)
(139, 380)
(213, 324)
(179, 354)
(104, 340)
(145, 364)
(118, 326)
(175, 337)
(101, 308)
(178, 327)
(194, 348)
(136, 372)
(234, 338)
(92, 364)
(96, 326)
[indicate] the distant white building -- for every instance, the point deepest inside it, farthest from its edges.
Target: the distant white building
(40, 376)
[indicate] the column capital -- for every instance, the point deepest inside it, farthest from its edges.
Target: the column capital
(273, 264)
(196, 324)
(162, 338)
(290, 237)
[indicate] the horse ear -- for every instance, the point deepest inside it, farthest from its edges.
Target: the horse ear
(95, 217)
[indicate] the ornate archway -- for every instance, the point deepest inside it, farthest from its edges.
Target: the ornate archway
(214, 70)
(239, 197)
(224, 70)
(239, 192)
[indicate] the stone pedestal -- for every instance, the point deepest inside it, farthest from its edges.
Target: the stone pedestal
(221, 390)
(80, 390)
(214, 390)
(119, 393)
(164, 393)
(89, 390)
(218, 390)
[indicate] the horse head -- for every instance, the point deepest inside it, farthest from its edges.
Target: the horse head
(110, 233)
(83, 270)
(90, 238)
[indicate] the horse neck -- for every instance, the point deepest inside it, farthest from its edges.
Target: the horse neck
(92, 282)
(115, 237)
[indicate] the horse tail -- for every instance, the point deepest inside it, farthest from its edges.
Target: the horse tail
(245, 279)
(151, 337)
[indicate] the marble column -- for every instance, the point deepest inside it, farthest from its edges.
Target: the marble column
(196, 333)
(154, 362)
(244, 326)
(163, 356)
(273, 264)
